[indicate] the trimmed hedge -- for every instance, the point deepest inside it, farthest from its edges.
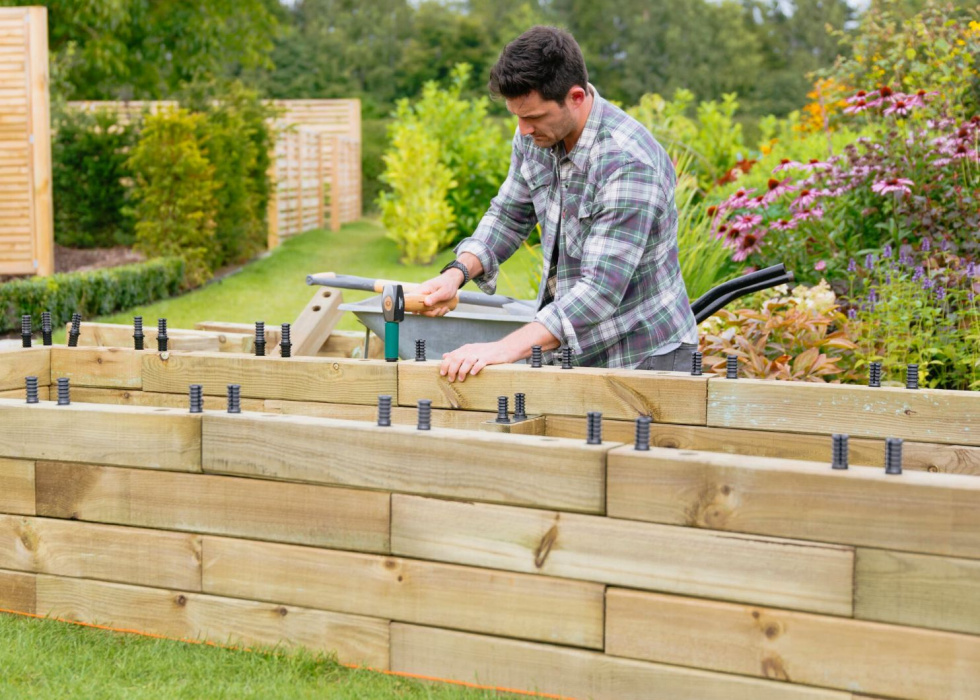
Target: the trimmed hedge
(93, 293)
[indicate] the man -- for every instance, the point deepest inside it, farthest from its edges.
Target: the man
(602, 189)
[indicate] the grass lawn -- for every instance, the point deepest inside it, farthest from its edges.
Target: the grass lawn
(50, 659)
(274, 288)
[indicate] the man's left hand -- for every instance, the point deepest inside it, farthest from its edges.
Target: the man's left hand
(470, 359)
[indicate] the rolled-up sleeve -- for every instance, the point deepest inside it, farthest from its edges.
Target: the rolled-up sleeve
(628, 204)
(507, 223)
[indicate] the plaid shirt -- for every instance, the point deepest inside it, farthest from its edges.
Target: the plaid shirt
(615, 293)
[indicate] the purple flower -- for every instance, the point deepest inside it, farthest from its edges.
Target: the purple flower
(918, 274)
(945, 245)
(869, 261)
(852, 314)
(926, 245)
(927, 283)
(893, 184)
(940, 293)
(887, 250)
(744, 222)
(971, 270)
(904, 259)
(782, 225)
(852, 266)
(873, 296)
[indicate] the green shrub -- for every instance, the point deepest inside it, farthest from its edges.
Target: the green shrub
(416, 211)
(175, 193)
(91, 180)
(374, 143)
(92, 293)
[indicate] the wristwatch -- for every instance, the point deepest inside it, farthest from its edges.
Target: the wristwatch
(459, 266)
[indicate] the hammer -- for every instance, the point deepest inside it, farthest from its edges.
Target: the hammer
(393, 310)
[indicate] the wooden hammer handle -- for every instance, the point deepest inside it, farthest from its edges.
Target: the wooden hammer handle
(415, 303)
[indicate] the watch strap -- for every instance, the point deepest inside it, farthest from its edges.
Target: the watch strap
(459, 266)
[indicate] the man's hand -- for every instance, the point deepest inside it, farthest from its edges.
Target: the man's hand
(470, 359)
(438, 291)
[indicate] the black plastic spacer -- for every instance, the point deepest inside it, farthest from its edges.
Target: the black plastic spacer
(138, 333)
(731, 367)
(893, 455)
(520, 411)
(839, 451)
(912, 377)
(425, 414)
(420, 350)
(46, 327)
(64, 391)
(31, 387)
(75, 331)
(642, 442)
(593, 428)
(696, 363)
(285, 344)
(874, 374)
(162, 335)
(566, 357)
(502, 410)
(197, 398)
(260, 338)
(25, 330)
(234, 398)
(536, 356)
(384, 410)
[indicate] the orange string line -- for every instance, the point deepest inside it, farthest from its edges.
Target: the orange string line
(401, 674)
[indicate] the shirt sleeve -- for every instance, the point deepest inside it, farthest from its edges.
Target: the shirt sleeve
(628, 204)
(507, 223)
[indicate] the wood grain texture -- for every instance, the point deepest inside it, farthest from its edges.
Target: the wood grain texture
(16, 486)
(21, 393)
(334, 380)
(532, 425)
(784, 573)
(17, 591)
(514, 605)
(86, 550)
(316, 321)
(151, 438)
(400, 415)
(913, 511)
(114, 335)
(107, 368)
(298, 513)
(917, 590)
(18, 363)
(920, 456)
(514, 469)
(830, 652)
(927, 415)
(125, 397)
(187, 615)
(572, 673)
(669, 397)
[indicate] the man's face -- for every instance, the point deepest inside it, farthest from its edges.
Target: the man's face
(546, 121)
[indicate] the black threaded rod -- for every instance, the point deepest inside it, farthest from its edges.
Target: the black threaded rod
(893, 455)
(566, 357)
(138, 333)
(420, 350)
(593, 428)
(384, 410)
(260, 338)
(197, 398)
(536, 355)
(732, 367)
(31, 389)
(64, 391)
(502, 410)
(75, 331)
(162, 335)
(285, 344)
(234, 398)
(840, 451)
(696, 363)
(25, 330)
(912, 377)
(519, 408)
(425, 414)
(643, 433)
(46, 327)
(874, 374)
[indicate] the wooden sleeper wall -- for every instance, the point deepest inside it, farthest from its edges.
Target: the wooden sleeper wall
(522, 561)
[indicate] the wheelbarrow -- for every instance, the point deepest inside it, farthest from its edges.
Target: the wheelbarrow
(484, 318)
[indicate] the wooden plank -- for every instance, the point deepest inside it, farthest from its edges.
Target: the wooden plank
(351, 344)
(188, 615)
(17, 364)
(106, 368)
(512, 469)
(400, 415)
(20, 393)
(927, 415)
(572, 673)
(777, 572)
(124, 397)
(514, 605)
(336, 380)
(43, 209)
(920, 456)
(86, 550)
(151, 438)
(917, 590)
(799, 647)
(114, 335)
(669, 397)
(234, 330)
(316, 321)
(17, 592)
(298, 513)
(532, 425)
(16, 486)
(913, 511)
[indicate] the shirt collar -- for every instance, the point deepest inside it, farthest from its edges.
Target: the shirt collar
(580, 154)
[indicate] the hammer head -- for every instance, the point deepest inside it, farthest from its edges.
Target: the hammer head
(393, 303)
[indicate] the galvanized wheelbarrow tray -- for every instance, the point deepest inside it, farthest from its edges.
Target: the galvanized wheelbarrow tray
(484, 318)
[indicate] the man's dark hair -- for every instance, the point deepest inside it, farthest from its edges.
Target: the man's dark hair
(546, 59)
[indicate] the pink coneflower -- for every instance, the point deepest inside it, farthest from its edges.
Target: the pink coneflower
(754, 202)
(782, 225)
(805, 198)
(748, 244)
(820, 265)
(857, 107)
(902, 107)
(894, 184)
(815, 164)
(777, 188)
(807, 214)
(744, 222)
(737, 200)
(787, 164)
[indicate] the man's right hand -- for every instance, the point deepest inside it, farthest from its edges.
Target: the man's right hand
(438, 291)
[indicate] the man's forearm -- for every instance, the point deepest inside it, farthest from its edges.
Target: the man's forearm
(524, 338)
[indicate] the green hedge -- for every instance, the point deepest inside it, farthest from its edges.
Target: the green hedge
(93, 293)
